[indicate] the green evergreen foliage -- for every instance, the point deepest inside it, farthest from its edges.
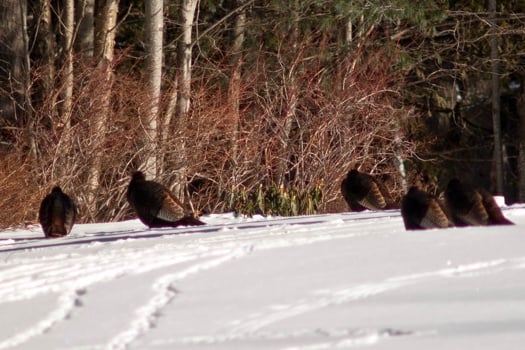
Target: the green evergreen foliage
(275, 200)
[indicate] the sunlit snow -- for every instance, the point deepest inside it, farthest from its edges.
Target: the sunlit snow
(337, 281)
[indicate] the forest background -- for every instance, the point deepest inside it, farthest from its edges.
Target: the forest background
(256, 106)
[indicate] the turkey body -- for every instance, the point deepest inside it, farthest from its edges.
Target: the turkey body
(155, 205)
(363, 191)
(469, 206)
(57, 214)
(420, 210)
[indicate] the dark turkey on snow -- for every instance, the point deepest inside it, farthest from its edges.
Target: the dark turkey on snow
(421, 210)
(57, 213)
(469, 206)
(156, 206)
(363, 191)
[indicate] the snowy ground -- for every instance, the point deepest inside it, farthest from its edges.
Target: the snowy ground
(335, 281)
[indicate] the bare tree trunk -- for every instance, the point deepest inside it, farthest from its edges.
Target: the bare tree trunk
(68, 28)
(154, 38)
(63, 121)
(166, 122)
(44, 94)
(291, 96)
(184, 61)
(234, 88)
(30, 128)
(349, 33)
(180, 99)
(84, 16)
(498, 155)
(45, 37)
(105, 27)
(521, 155)
(12, 54)
(15, 96)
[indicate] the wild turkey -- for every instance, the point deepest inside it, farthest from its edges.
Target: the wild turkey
(420, 210)
(469, 206)
(363, 191)
(156, 206)
(57, 214)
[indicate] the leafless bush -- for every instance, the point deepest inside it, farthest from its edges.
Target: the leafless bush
(19, 190)
(65, 149)
(344, 114)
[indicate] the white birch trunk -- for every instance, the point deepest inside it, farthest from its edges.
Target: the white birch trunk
(105, 26)
(234, 88)
(183, 91)
(184, 60)
(68, 28)
(154, 40)
(46, 36)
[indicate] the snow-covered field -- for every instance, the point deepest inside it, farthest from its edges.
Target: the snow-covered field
(334, 281)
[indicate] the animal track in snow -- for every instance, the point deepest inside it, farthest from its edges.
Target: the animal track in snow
(165, 291)
(256, 322)
(67, 302)
(70, 276)
(319, 338)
